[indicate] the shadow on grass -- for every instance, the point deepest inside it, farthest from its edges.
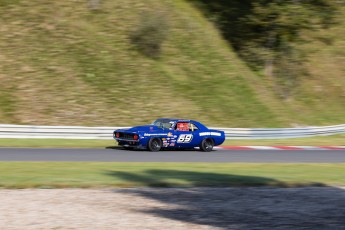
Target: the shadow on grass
(176, 178)
(222, 204)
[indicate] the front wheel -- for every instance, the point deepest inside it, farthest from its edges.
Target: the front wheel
(206, 145)
(154, 144)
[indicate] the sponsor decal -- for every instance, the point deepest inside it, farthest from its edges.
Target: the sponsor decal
(164, 139)
(185, 138)
(154, 134)
(210, 134)
(170, 134)
(173, 141)
(166, 145)
(172, 144)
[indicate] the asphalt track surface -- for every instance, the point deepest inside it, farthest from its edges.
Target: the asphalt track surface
(219, 155)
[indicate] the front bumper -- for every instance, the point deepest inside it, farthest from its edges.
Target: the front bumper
(130, 143)
(126, 140)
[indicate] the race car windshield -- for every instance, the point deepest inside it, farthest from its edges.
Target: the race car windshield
(164, 124)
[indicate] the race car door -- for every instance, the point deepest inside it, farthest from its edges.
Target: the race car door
(187, 135)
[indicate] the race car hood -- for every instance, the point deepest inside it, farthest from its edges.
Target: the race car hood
(144, 128)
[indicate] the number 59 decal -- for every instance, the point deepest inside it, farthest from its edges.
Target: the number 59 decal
(185, 138)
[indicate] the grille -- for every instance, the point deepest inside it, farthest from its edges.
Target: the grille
(127, 136)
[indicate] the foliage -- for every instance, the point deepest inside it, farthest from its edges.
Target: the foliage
(63, 64)
(8, 2)
(150, 33)
(265, 33)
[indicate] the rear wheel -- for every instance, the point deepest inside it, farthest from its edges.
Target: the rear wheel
(206, 145)
(154, 145)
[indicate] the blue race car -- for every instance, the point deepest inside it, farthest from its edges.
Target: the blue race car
(169, 133)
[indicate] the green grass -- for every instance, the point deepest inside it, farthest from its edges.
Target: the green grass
(75, 175)
(56, 143)
(336, 140)
(63, 64)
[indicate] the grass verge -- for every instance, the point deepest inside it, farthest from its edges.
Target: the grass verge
(84, 175)
(335, 140)
(56, 143)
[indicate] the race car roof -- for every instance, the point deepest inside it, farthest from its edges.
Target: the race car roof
(181, 120)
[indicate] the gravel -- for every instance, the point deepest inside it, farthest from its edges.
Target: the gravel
(174, 208)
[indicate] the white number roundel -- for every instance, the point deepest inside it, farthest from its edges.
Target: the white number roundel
(185, 138)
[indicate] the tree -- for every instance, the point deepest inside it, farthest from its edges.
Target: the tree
(150, 33)
(265, 33)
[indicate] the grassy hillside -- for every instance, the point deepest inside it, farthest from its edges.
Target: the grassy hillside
(324, 89)
(64, 64)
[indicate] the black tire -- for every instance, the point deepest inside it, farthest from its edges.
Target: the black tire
(154, 145)
(206, 145)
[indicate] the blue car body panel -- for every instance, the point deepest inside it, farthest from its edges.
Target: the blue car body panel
(168, 131)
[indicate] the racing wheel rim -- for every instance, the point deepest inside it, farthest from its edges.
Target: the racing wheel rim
(207, 145)
(155, 145)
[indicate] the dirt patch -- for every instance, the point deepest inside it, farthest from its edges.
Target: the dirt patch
(157, 208)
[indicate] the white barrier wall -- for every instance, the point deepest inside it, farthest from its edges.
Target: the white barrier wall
(79, 132)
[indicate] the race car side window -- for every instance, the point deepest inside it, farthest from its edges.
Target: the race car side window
(182, 126)
(186, 126)
(193, 127)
